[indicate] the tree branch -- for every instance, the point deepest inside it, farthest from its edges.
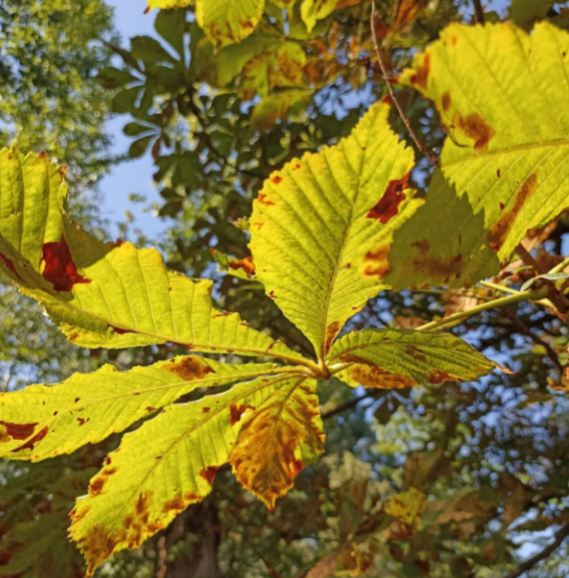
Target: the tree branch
(479, 12)
(348, 405)
(434, 161)
(535, 338)
(560, 536)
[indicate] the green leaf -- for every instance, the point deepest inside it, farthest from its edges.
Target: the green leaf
(505, 158)
(389, 358)
(228, 21)
(527, 12)
(101, 294)
(165, 465)
(149, 50)
(314, 217)
(134, 129)
(45, 421)
(139, 146)
(171, 25)
(276, 107)
(111, 77)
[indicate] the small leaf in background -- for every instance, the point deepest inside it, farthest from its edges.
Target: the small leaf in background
(407, 507)
(226, 21)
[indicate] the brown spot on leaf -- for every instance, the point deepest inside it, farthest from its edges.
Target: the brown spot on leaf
(262, 198)
(247, 264)
(60, 270)
(237, 411)
(76, 515)
(440, 376)
(276, 179)
(272, 294)
(98, 483)
(120, 331)
(438, 267)
(376, 262)
(176, 504)
(424, 246)
(475, 128)
(502, 227)
(19, 431)
(10, 266)
(206, 409)
(209, 474)
(5, 557)
(370, 375)
(498, 173)
(416, 354)
(421, 74)
(258, 225)
(331, 332)
(445, 101)
(31, 443)
(388, 206)
(81, 420)
(187, 368)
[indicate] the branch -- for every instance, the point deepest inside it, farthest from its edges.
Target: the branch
(535, 338)
(434, 161)
(348, 405)
(479, 12)
(560, 536)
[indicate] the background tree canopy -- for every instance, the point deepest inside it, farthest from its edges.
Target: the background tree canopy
(461, 476)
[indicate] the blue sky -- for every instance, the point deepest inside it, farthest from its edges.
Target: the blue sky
(132, 176)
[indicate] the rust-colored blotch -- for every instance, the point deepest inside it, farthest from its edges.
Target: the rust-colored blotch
(502, 227)
(388, 206)
(31, 443)
(209, 474)
(446, 101)
(377, 263)
(247, 264)
(475, 128)
(60, 270)
(188, 368)
(421, 75)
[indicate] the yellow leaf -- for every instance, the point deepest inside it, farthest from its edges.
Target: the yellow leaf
(278, 440)
(407, 507)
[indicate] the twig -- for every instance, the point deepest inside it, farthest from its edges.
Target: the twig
(453, 319)
(560, 536)
(349, 405)
(404, 118)
(535, 338)
(479, 12)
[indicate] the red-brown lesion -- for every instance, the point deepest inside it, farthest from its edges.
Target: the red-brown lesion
(420, 75)
(501, 228)
(187, 368)
(388, 206)
(59, 268)
(474, 127)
